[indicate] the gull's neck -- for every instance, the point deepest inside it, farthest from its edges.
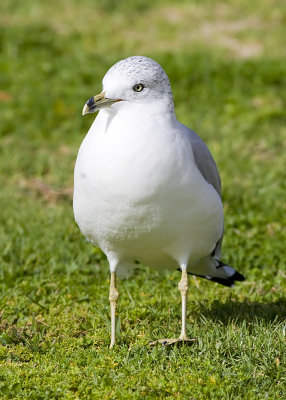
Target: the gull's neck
(156, 108)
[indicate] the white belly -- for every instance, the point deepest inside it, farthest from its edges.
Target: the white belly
(139, 196)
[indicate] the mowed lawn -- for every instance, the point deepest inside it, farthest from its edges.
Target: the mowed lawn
(226, 63)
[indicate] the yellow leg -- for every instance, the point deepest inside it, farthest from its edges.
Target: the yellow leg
(183, 338)
(183, 287)
(113, 297)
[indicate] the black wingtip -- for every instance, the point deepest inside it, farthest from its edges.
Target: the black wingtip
(229, 281)
(238, 277)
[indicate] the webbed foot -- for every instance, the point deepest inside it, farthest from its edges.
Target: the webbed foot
(171, 342)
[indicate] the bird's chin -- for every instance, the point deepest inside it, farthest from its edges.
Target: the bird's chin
(115, 106)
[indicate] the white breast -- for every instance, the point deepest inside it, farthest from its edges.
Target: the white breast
(138, 194)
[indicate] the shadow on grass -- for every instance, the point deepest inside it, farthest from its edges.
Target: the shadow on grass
(245, 311)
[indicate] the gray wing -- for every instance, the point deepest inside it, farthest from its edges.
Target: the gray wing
(205, 162)
(207, 167)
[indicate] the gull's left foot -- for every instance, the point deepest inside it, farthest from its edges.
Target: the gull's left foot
(170, 342)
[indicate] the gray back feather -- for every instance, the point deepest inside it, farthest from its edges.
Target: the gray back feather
(205, 162)
(207, 167)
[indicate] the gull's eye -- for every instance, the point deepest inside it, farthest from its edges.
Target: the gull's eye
(138, 87)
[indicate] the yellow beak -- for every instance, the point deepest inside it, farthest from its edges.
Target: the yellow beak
(97, 102)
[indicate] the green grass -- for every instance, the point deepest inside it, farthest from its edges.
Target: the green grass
(226, 63)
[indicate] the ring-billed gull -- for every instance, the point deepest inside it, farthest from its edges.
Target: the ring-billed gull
(146, 187)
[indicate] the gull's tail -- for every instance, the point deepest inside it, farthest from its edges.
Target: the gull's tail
(227, 280)
(216, 271)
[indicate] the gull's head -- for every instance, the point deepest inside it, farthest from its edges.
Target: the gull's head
(134, 80)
